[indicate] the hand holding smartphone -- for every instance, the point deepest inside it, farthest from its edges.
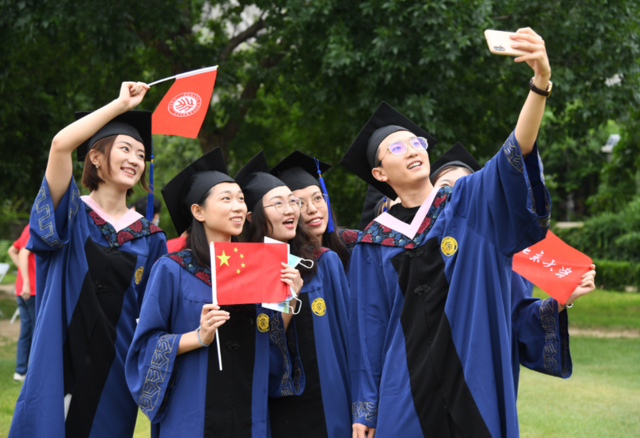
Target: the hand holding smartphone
(500, 44)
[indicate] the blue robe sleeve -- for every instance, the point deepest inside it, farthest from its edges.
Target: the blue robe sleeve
(286, 375)
(506, 202)
(51, 229)
(158, 248)
(369, 314)
(152, 356)
(540, 332)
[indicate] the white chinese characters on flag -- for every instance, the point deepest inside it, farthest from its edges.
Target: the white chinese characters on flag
(553, 266)
(182, 110)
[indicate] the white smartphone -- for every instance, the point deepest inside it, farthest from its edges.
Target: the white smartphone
(500, 44)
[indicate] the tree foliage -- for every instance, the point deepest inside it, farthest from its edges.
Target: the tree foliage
(307, 74)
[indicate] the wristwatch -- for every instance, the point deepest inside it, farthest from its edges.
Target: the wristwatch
(545, 93)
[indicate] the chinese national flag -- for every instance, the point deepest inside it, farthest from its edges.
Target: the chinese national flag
(553, 266)
(249, 273)
(182, 110)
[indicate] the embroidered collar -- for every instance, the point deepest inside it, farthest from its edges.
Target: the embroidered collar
(317, 252)
(349, 238)
(186, 259)
(378, 234)
(140, 228)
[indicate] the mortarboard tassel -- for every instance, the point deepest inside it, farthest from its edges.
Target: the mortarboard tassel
(150, 195)
(384, 204)
(330, 228)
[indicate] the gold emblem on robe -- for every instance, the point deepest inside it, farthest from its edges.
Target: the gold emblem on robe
(263, 323)
(139, 274)
(319, 307)
(449, 246)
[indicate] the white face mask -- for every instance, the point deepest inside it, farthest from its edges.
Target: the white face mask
(294, 261)
(156, 222)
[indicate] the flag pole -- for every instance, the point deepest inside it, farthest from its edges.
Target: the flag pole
(214, 295)
(184, 75)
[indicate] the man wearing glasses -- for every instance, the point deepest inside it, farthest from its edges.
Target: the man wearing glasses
(430, 311)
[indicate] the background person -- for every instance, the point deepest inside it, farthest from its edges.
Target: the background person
(25, 291)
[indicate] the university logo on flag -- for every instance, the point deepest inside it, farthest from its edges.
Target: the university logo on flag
(249, 273)
(553, 266)
(184, 107)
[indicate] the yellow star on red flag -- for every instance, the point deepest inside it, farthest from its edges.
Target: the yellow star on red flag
(224, 259)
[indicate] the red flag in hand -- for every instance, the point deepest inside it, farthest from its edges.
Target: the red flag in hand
(182, 110)
(553, 266)
(249, 273)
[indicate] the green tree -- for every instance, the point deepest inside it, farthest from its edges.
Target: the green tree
(307, 74)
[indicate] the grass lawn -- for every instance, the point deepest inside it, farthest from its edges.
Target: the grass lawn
(601, 399)
(604, 309)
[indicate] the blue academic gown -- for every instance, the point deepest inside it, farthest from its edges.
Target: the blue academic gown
(92, 281)
(540, 333)
(430, 317)
(323, 408)
(188, 395)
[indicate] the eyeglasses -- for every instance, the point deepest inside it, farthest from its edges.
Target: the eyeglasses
(400, 147)
(281, 207)
(318, 201)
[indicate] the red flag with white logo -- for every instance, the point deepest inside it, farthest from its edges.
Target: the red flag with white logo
(182, 110)
(553, 266)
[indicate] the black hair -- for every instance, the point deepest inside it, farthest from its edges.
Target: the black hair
(447, 169)
(333, 241)
(197, 238)
(301, 244)
(141, 205)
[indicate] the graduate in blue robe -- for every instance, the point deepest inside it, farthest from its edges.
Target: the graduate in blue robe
(431, 313)
(92, 270)
(540, 332)
(323, 409)
(172, 368)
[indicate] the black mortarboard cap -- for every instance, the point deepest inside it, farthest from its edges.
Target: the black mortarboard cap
(457, 155)
(299, 170)
(255, 180)
(191, 184)
(136, 124)
(361, 156)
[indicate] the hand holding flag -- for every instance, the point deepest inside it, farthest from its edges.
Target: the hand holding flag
(553, 266)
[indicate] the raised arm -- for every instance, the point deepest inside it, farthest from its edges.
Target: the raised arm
(60, 165)
(533, 109)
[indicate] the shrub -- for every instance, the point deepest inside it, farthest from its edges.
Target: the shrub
(608, 236)
(616, 275)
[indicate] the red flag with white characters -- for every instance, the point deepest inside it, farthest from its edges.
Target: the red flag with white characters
(249, 273)
(553, 266)
(182, 110)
